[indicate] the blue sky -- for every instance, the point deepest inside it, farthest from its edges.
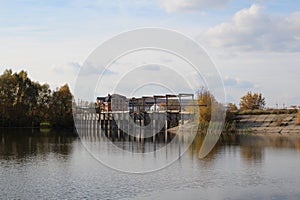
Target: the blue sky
(254, 44)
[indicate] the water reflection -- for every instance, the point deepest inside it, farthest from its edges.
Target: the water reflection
(17, 144)
(56, 166)
(251, 148)
(22, 143)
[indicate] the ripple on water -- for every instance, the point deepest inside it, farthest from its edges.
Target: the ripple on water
(229, 172)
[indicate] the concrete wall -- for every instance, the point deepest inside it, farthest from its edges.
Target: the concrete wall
(273, 124)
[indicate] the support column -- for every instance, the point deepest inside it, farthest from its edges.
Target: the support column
(153, 128)
(166, 129)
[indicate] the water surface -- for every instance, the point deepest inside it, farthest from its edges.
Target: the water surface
(35, 165)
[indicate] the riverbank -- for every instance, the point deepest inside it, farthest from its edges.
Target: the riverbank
(267, 124)
(253, 124)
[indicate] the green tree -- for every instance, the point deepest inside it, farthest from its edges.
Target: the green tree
(252, 101)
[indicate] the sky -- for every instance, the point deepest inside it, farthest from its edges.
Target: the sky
(255, 45)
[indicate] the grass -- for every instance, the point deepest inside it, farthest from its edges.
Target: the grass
(267, 111)
(45, 124)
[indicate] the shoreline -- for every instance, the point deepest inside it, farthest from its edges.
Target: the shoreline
(271, 125)
(267, 125)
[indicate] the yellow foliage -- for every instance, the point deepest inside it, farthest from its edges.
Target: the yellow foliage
(252, 101)
(205, 102)
(232, 107)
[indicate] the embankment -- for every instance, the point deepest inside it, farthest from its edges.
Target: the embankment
(268, 124)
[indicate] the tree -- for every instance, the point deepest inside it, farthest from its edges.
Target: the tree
(24, 102)
(8, 84)
(61, 108)
(230, 114)
(43, 102)
(232, 107)
(207, 105)
(19, 100)
(205, 99)
(210, 110)
(252, 101)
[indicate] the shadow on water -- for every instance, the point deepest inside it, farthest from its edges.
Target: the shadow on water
(21, 143)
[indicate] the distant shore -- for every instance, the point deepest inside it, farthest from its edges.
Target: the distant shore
(268, 124)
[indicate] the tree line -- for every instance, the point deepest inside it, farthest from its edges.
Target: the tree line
(26, 103)
(207, 101)
(251, 103)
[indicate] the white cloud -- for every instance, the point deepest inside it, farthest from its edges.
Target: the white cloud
(63, 73)
(68, 68)
(178, 5)
(274, 74)
(254, 29)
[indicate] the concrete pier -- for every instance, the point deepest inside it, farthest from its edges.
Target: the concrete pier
(117, 125)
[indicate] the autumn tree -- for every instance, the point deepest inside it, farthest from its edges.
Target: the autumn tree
(24, 102)
(210, 111)
(207, 105)
(7, 97)
(61, 108)
(232, 107)
(230, 115)
(252, 101)
(18, 99)
(43, 102)
(205, 100)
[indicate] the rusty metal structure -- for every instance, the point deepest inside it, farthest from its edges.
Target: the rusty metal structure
(168, 102)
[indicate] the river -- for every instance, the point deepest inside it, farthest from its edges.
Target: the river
(56, 165)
